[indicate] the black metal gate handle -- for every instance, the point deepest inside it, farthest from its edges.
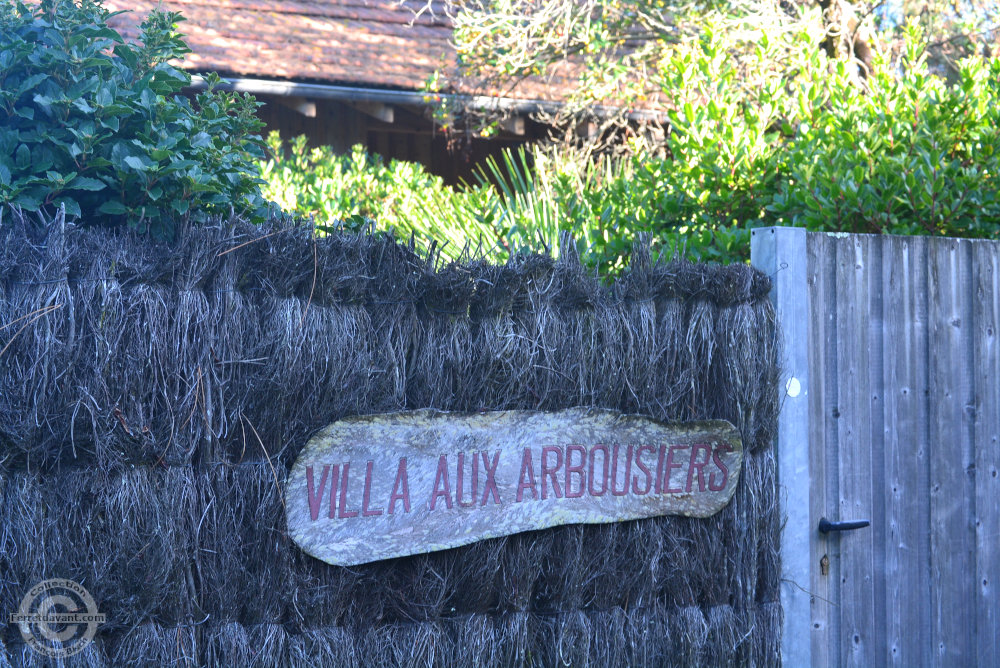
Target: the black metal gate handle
(826, 526)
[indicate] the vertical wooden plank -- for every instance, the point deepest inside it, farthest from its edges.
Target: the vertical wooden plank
(321, 124)
(382, 146)
(356, 130)
(877, 308)
(854, 346)
(423, 155)
(332, 118)
(296, 124)
(951, 486)
(824, 562)
(410, 151)
(987, 440)
(781, 254)
(907, 521)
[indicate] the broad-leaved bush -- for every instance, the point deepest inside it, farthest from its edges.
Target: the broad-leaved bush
(98, 125)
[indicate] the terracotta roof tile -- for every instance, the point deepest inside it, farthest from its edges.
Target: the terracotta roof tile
(365, 43)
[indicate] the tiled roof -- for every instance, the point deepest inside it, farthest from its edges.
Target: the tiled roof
(364, 43)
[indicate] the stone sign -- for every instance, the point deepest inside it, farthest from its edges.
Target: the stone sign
(381, 486)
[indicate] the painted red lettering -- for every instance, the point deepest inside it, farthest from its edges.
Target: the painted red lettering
(527, 479)
(334, 477)
(401, 483)
(367, 496)
(442, 486)
(592, 468)
(550, 472)
(717, 460)
(342, 511)
(614, 471)
(474, 487)
(572, 468)
(315, 498)
(491, 482)
(658, 485)
(695, 465)
(670, 466)
(642, 467)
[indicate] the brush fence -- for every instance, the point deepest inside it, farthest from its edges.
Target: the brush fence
(154, 397)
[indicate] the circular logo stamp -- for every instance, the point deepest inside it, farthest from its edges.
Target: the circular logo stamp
(57, 618)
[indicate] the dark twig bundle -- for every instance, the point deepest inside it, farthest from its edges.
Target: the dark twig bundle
(153, 398)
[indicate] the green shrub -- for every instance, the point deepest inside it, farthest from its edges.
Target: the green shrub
(519, 203)
(97, 125)
(913, 155)
(903, 152)
(532, 201)
(350, 190)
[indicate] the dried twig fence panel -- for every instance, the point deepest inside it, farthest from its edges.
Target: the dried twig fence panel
(153, 398)
(892, 414)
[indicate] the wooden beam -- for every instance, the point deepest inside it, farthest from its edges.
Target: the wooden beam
(587, 130)
(781, 254)
(513, 124)
(377, 110)
(300, 104)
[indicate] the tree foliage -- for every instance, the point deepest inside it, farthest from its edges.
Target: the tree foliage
(613, 51)
(97, 125)
(758, 125)
(913, 154)
(953, 30)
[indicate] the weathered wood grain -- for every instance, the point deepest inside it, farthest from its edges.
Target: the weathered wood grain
(951, 452)
(904, 425)
(907, 541)
(375, 487)
(823, 465)
(854, 361)
(802, 626)
(987, 439)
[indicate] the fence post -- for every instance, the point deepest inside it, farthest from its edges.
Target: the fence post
(780, 252)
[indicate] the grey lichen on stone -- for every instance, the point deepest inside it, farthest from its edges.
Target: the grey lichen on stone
(374, 487)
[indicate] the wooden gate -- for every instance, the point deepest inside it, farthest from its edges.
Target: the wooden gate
(891, 414)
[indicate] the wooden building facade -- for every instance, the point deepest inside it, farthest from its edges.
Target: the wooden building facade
(346, 72)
